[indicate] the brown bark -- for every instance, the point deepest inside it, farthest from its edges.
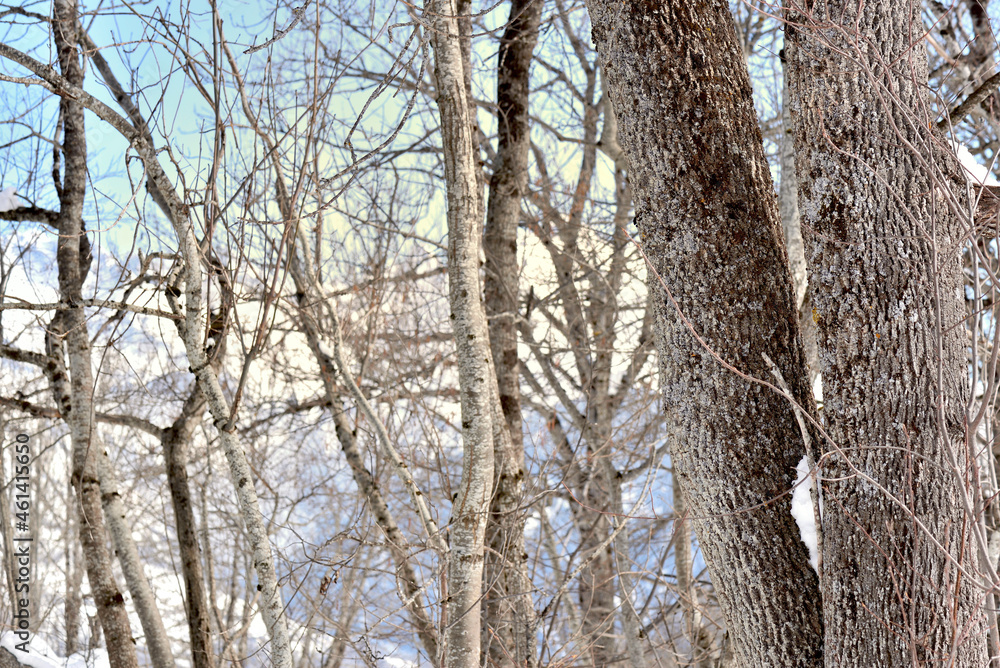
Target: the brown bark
(887, 290)
(709, 223)
(73, 259)
(175, 442)
(509, 611)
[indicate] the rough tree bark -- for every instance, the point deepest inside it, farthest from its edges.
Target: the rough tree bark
(73, 259)
(477, 381)
(887, 289)
(175, 441)
(509, 610)
(707, 215)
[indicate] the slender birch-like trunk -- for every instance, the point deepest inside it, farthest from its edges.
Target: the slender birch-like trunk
(73, 262)
(475, 368)
(175, 441)
(193, 336)
(155, 634)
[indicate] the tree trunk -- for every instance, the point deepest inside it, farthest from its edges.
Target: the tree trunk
(157, 642)
(477, 381)
(510, 615)
(707, 215)
(193, 335)
(175, 441)
(73, 260)
(887, 290)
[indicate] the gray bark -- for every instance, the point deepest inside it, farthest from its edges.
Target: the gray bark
(710, 226)
(477, 381)
(789, 204)
(143, 600)
(74, 579)
(178, 213)
(509, 610)
(193, 335)
(887, 289)
(73, 260)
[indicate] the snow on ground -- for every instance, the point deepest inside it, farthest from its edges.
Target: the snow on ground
(802, 510)
(40, 655)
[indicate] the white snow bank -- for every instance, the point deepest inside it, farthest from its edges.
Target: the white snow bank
(40, 655)
(802, 510)
(8, 199)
